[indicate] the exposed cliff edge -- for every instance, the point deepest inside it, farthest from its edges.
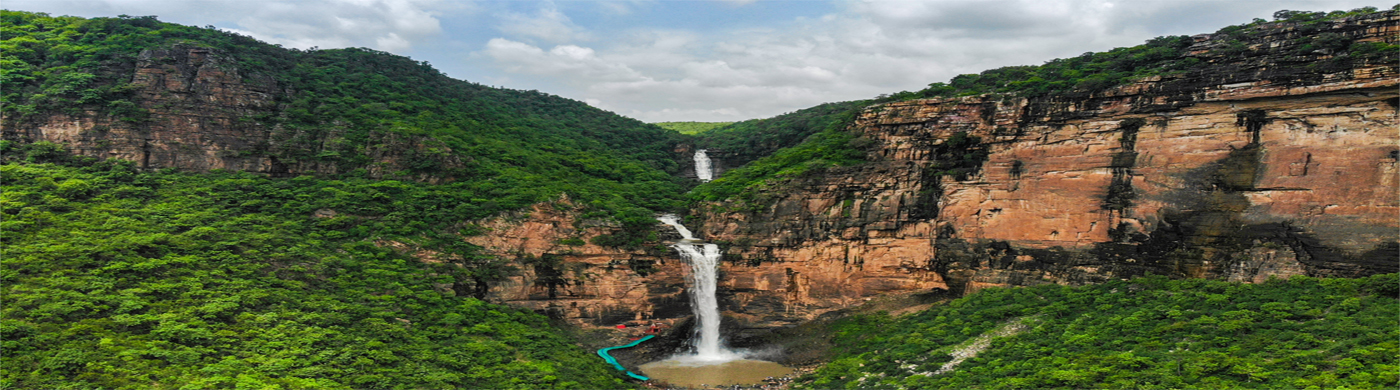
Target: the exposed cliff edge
(1242, 171)
(203, 113)
(560, 272)
(1254, 166)
(1238, 174)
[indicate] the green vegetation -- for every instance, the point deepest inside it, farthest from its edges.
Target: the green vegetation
(1167, 55)
(692, 128)
(1145, 333)
(816, 140)
(832, 146)
(115, 278)
(348, 105)
(1088, 72)
(804, 142)
(750, 140)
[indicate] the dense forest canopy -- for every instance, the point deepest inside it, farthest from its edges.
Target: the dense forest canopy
(117, 278)
(1146, 333)
(1167, 55)
(516, 147)
(808, 140)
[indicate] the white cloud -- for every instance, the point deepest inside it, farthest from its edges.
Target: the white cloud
(389, 25)
(650, 60)
(566, 62)
(548, 25)
(867, 48)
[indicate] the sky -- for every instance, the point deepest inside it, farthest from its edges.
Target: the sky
(712, 60)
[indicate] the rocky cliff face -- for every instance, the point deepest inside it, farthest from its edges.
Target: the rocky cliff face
(203, 114)
(719, 161)
(1257, 167)
(561, 273)
(1244, 173)
(1249, 170)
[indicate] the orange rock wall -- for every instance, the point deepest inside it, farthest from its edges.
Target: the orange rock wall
(204, 113)
(604, 286)
(1243, 174)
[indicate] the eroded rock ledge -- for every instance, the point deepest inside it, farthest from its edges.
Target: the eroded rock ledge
(1241, 172)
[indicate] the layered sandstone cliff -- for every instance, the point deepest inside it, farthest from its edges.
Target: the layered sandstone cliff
(1245, 172)
(1248, 170)
(1256, 167)
(202, 112)
(558, 271)
(201, 116)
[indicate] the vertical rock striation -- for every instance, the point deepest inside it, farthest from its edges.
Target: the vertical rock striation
(205, 113)
(202, 113)
(560, 273)
(1254, 167)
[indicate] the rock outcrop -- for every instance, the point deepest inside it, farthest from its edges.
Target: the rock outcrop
(560, 272)
(201, 112)
(1247, 170)
(201, 116)
(1243, 173)
(1259, 166)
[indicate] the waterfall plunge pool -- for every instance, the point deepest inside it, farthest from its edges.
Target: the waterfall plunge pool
(711, 364)
(695, 373)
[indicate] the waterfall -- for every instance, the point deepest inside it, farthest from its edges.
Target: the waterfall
(704, 264)
(702, 167)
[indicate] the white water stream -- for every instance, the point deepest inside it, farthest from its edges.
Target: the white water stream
(704, 264)
(712, 364)
(702, 171)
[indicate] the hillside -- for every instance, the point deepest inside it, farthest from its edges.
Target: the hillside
(171, 96)
(692, 128)
(1228, 171)
(748, 153)
(186, 206)
(1242, 167)
(118, 278)
(1314, 47)
(1146, 333)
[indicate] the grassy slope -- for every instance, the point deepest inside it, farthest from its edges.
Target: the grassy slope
(692, 128)
(1144, 333)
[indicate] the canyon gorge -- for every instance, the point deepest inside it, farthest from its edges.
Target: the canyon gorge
(1242, 174)
(1248, 170)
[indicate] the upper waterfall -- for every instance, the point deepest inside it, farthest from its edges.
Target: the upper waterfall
(702, 166)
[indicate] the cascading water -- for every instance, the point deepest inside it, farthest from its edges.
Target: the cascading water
(704, 265)
(702, 167)
(712, 364)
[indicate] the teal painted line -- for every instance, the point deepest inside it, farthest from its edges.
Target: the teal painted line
(604, 353)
